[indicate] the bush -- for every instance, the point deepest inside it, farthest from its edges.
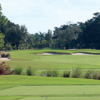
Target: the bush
(98, 76)
(55, 73)
(8, 47)
(43, 73)
(52, 73)
(5, 69)
(7, 55)
(76, 73)
(30, 71)
(3, 55)
(88, 75)
(14, 47)
(18, 71)
(92, 75)
(49, 73)
(66, 74)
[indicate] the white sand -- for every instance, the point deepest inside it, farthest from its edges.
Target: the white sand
(65, 54)
(81, 54)
(4, 59)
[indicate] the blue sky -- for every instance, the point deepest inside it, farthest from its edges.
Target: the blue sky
(41, 15)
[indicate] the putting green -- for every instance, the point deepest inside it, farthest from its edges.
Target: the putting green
(61, 98)
(52, 90)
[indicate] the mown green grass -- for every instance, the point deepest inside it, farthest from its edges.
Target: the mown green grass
(22, 87)
(26, 58)
(17, 80)
(12, 97)
(15, 87)
(61, 98)
(52, 90)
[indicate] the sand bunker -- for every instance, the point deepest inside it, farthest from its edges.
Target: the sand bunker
(81, 54)
(65, 54)
(4, 59)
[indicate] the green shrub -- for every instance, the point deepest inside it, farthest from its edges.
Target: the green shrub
(98, 77)
(88, 75)
(66, 74)
(52, 73)
(8, 47)
(14, 47)
(7, 55)
(3, 55)
(76, 73)
(5, 69)
(55, 73)
(30, 71)
(18, 71)
(43, 73)
(49, 73)
(94, 75)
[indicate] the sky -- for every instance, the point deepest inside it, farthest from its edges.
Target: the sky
(41, 15)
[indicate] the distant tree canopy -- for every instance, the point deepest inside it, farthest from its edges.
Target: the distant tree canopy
(79, 35)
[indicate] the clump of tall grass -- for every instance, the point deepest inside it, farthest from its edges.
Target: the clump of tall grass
(92, 75)
(55, 73)
(43, 73)
(18, 71)
(66, 74)
(76, 73)
(51, 73)
(30, 71)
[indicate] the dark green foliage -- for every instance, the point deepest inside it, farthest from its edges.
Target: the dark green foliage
(66, 74)
(92, 75)
(79, 35)
(88, 75)
(55, 73)
(30, 71)
(52, 73)
(49, 73)
(5, 55)
(43, 73)
(18, 71)
(76, 73)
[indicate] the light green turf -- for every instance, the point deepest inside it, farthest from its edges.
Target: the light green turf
(25, 58)
(14, 80)
(51, 90)
(61, 98)
(11, 97)
(13, 87)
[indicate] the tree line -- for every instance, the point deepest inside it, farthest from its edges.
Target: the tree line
(77, 35)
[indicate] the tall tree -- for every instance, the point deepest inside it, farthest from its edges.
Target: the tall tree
(1, 40)
(48, 37)
(16, 34)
